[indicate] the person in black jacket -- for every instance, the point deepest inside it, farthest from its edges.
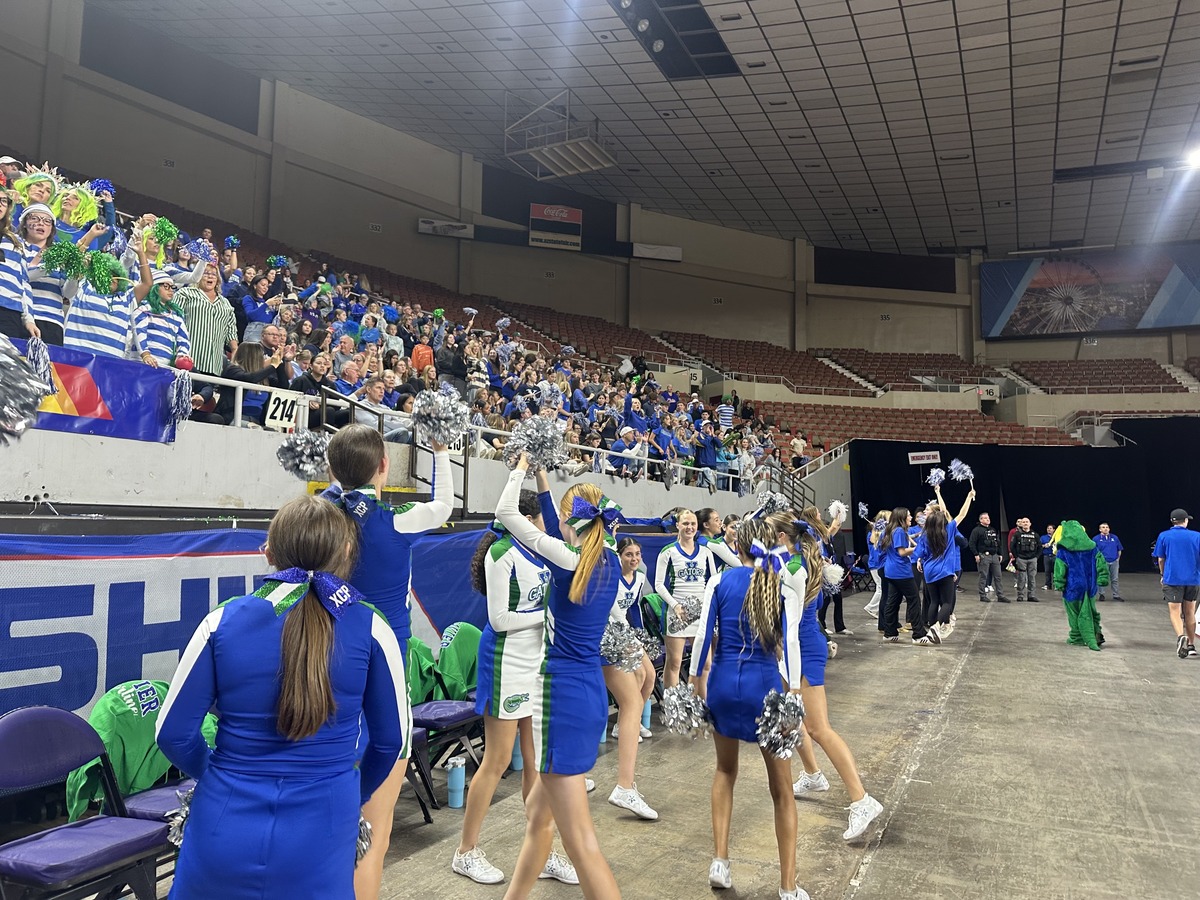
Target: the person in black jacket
(985, 544)
(1025, 548)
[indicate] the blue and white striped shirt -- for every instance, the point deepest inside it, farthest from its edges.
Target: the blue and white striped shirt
(45, 290)
(163, 335)
(97, 324)
(14, 279)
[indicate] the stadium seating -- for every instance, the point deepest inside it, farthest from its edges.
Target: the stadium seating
(589, 335)
(828, 425)
(899, 371)
(1098, 376)
(805, 372)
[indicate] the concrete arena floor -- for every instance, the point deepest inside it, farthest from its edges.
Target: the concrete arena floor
(1009, 763)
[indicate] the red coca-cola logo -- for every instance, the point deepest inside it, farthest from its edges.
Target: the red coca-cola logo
(556, 212)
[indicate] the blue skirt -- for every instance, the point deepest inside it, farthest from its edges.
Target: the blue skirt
(814, 654)
(261, 838)
(570, 713)
(736, 690)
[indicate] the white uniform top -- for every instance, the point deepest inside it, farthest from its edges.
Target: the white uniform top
(683, 577)
(517, 582)
(627, 597)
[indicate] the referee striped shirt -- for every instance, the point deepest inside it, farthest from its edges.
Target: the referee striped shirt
(98, 324)
(45, 291)
(14, 278)
(210, 324)
(163, 335)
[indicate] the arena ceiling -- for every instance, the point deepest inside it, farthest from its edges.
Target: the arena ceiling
(911, 126)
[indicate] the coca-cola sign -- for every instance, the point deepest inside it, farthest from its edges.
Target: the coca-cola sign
(555, 213)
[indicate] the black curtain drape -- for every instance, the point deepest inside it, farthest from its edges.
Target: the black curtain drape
(1133, 488)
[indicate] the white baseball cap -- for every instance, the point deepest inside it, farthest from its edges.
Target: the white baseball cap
(9, 161)
(626, 430)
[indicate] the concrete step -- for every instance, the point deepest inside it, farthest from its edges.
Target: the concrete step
(852, 375)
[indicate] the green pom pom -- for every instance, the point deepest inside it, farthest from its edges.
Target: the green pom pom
(325, 289)
(164, 232)
(65, 257)
(439, 313)
(102, 268)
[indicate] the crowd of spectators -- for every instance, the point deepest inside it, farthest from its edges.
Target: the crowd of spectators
(191, 303)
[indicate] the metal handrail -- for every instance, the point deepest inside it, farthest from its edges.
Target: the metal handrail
(477, 431)
(240, 387)
(658, 357)
(1115, 389)
(799, 389)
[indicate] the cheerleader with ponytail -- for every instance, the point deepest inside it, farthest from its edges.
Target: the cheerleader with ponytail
(750, 625)
(511, 651)
(570, 705)
(801, 577)
(875, 565)
(359, 465)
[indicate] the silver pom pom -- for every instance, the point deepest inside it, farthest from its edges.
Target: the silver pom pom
(503, 323)
(363, 844)
(303, 454)
(549, 395)
(567, 350)
(540, 440)
(864, 511)
(651, 645)
(470, 312)
(837, 511)
(691, 612)
(779, 725)
(832, 576)
(440, 418)
(620, 647)
(684, 712)
(178, 821)
(936, 476)
(770, 502)
(21, 393)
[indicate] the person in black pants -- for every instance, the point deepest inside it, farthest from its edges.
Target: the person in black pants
(898, 582)
(939, 559)
(989, 557)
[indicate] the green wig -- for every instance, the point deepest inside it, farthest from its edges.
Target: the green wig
(21, 185)
(85, 213)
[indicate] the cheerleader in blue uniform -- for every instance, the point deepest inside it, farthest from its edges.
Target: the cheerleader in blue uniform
(570, 705)
(712, 536)
(756, 638)
(289, 670)
(802, 576)
(359, 465)
(511, 652)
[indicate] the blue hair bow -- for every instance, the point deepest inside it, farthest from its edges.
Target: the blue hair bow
(335, 594)
(353, 502)
(775, 558)
(806, 528)
(497, 529)
(584, 513)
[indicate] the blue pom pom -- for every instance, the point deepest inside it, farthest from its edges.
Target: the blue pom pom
(233, 242)
(960, 471)
(100, 185)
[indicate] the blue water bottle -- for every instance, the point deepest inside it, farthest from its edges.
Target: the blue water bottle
(604, 733)
(456, 780)
(518, 761)
(646, 714)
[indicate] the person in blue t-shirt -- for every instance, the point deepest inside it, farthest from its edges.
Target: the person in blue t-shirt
(1047, 541)
(1110, 548)
(897, 548)
(939, 560)
(1178, 552)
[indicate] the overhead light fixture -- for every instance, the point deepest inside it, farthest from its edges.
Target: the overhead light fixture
(625, 4)
(1192, 160)
(657, 46)
(643, 25)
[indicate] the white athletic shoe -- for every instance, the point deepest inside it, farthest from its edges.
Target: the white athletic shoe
(589, 784)
(616, 732)
(475, 866)
(947, 630)
(797, 894)
(558, 866)
(862, 813)
(810, 784)
(630, 799)
(718, 874)
(644, 731)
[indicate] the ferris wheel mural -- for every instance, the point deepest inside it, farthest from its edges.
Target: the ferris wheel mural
(1091, 292)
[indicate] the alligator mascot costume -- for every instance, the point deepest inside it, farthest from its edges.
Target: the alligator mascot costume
(1079, 571)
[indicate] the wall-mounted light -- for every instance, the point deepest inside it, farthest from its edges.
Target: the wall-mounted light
(643, 25)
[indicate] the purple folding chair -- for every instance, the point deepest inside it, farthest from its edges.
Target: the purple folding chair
(40, 746)
(448, 724)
